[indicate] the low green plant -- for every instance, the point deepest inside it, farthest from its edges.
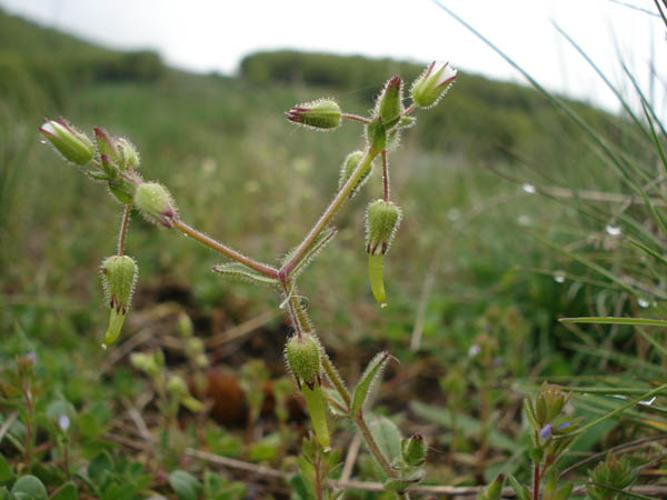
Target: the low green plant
(115, 162)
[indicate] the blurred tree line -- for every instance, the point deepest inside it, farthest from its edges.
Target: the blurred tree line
(486, 118)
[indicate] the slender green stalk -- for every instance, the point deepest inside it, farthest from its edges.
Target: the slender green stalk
(222, 249)
(355, 118)
(334, 377)
(372, 445)
(124, 225)
(385, 176)
(329, 212)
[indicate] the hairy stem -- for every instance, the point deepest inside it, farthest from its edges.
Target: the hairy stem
(124, 225)
(329, 212)
(222, 249)
(536, 481)
(356, 118)
(372, 445)
(385, 175)
(336, 380)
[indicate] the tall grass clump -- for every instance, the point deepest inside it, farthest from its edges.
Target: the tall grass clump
(610, 241)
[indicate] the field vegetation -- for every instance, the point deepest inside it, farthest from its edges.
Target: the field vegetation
(520, 208)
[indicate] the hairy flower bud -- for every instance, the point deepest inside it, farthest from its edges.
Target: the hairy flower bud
(177, 386)
(74, 145)
(106, 146)
(323, 114)
(550, 402)
(302, 354)
(389, 105)
(119, 275)
(349, 166)
(155, 204)
(152, 364)
(432, 84)
(382, 221)
(129, 156)
(414, 450)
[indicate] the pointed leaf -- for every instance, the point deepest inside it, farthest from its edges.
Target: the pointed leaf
(521, 491)
(376, 278)
(185, 485)
(325, 237)
(239, 271)
(317, 410)
(372, 373)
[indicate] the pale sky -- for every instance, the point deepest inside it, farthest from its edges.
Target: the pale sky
(205, 35)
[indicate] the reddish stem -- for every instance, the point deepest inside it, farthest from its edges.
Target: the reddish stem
(536, 481)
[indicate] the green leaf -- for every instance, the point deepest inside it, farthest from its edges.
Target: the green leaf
(521, 491)
(371, 374)
(237, 270)
(29, 488)
(494, 490)
(100, 468)
(66, 492)
(324, 238)
(376, 278)
(185, 485)
(317, 410)
(6, 472)
(609, 320)
(405, 481)
(388, 438)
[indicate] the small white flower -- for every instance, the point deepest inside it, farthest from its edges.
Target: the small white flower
(63, 422)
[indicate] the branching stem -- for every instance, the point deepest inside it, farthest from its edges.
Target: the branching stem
(124, 225)
(329, 213)
(356, 118)
(385, 175)
(222, 249)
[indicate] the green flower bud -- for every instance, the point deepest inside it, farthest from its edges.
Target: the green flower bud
(323, 114)
(119, 275)
(389, 104)
(74, 145)
(349, 165)
(302, 354)
(177, 387)
(550, 402)
(432, 84)
(413, 450)
(382, 221)
(155, 204)
(106, 146)
(151, 364)
(129, 156)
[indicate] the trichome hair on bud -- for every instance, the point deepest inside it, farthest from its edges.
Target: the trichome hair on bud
(119, 276)
(303, 355)
(72, 144)
(322, 114)
(156, 204)
(433, 84)
(348, 166)
(382, 220)
(389, 104)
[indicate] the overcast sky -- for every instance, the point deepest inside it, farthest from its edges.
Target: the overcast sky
(204, 35)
